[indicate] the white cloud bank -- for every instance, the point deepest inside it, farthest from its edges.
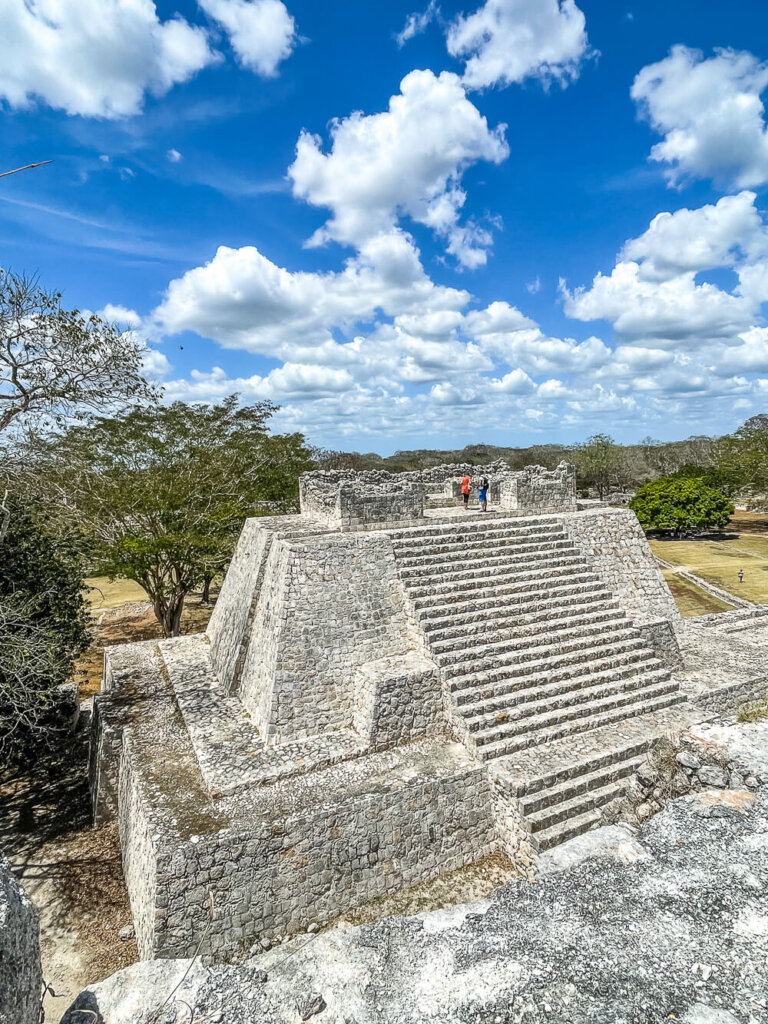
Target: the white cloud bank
(405, 161)
(262, 32)
(379, 348)
(100, 58)
(710, 114)
(507, 41)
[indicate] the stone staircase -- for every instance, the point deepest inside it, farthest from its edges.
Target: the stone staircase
(533, 649)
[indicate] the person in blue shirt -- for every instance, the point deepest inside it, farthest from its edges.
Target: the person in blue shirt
(482, 493)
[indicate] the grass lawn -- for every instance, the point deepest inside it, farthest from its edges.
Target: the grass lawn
(102, 595)
(719, 561)
(690, 599)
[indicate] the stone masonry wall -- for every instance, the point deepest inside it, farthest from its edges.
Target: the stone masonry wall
(350, 501)
(615, 546)
(138, 846)
(398, 700)
(21, 975)
(536, 489)
(233, 605)
(310, 860)
(328, 606)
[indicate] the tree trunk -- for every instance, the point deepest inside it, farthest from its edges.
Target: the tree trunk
(168, 614)
(205, 598)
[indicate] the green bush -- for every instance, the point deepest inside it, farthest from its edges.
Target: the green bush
(43, 626)
(680, 505)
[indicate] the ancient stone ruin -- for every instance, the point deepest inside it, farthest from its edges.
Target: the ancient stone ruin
(386, 692)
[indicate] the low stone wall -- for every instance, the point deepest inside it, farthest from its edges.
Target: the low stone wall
(536, 489)
(311, 849)
(350, 501)
(21, 975)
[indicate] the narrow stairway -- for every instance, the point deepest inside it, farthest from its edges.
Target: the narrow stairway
(533, 649)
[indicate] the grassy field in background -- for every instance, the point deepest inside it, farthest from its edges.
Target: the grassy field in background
(690, 599)
(719, 561)
(102, 595)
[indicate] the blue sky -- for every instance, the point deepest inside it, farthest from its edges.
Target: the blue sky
(407, 226)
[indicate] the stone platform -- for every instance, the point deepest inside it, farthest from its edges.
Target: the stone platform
(385, 695)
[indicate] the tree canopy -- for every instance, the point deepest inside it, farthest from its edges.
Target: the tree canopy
(742, 457)
(599, 462)
(681, 505)
(160, 493)
(55, 362)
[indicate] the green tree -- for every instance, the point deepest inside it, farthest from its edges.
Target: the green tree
(681, 505)
(43, 624)
(160, 493)
(742, 457)
(599, 463)
(55, 362)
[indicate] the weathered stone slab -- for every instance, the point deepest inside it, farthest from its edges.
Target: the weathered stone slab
(21, 974)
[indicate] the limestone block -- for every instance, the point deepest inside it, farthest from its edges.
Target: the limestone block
(21, 975)
(398, 699)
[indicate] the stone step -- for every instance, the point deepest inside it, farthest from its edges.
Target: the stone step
(566, 707)
(582, 803)
(567, 621)
(510, 582)
(454, 529)
(546, 766)
(565, 830)
(536, 661)
(562, 793)
(455, 551)
(509, 700)
(556, 636)
(490, 568)
(510, 745)
(476, 611)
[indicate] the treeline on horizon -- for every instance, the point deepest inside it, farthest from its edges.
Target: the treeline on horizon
(732, 463)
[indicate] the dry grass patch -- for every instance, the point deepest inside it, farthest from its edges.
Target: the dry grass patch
(755, 711)
(690, 599)
(718, 562)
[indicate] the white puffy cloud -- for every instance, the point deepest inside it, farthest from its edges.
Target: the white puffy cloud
(508, 41)
(720, 235)
(94, 57)
(173, 156)
(380, 348)
(242, 299)
(405, 161)
(652, 293)
(710, 114)
(262, 32)
(120, 315)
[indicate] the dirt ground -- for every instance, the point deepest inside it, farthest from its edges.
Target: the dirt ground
(71, 870)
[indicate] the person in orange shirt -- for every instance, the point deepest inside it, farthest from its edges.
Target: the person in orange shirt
(466, 487)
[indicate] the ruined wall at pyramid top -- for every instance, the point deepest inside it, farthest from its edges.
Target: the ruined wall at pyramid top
(354, 500)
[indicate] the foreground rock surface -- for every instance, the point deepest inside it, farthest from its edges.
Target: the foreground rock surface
(667, 923)
(21, 976)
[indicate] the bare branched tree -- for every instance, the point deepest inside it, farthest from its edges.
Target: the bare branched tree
(30, 657)
(56, 362)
